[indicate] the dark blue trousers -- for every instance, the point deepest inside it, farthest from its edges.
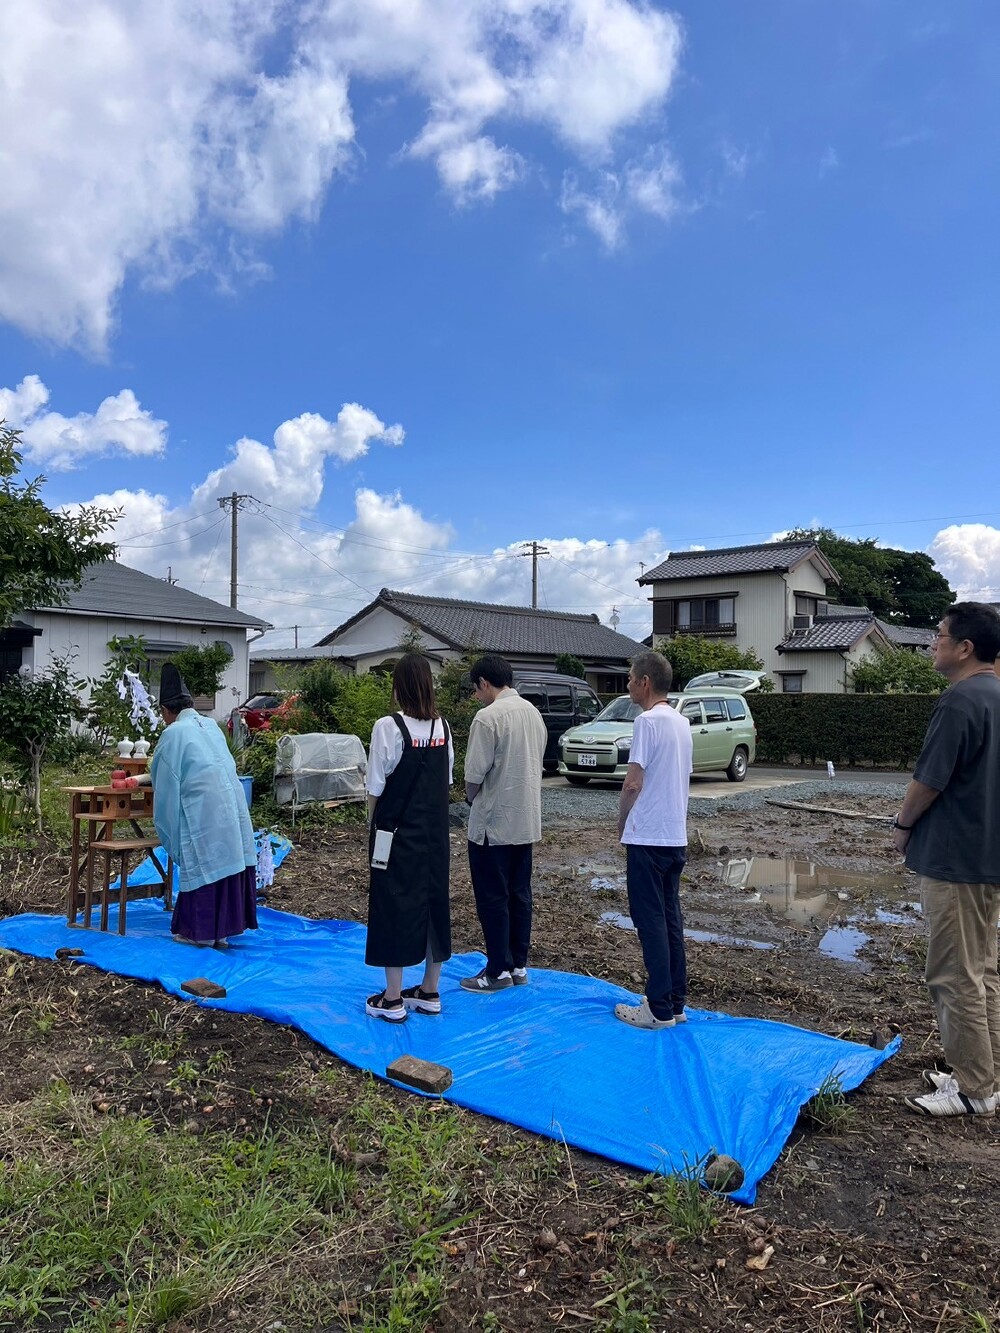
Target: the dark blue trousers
(654, 881)
(501, 882)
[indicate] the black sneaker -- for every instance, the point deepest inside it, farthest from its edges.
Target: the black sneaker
(421, 1001)
(393, 1011)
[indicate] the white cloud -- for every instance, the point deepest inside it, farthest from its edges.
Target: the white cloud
(830, 161)
(294, 569)
(649, 185)
(141, 138)
(119, 426)
(968, 555)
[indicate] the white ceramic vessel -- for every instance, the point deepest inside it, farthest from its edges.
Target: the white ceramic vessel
(125, 749)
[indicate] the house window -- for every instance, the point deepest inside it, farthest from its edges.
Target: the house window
(791, 682)
(805, 605)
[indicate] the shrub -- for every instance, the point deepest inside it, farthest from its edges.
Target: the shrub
(568, 665)
(692, 655)
(898, 671)
(202, 668)
(885, 729)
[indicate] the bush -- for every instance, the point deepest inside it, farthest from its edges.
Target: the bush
(897, 672)
(568, 665)
(330, 701)
(692, 655)
(884, 729)
(202, 668)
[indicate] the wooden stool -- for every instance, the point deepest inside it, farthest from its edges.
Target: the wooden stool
(108, 850)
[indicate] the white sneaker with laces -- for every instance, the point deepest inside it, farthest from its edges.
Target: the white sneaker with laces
(948, 1100)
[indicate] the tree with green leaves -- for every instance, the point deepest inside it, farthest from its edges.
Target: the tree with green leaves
(899, 586)
(897, 671)
(43, 552)
(202, 667)
(568, 665)
(108, 713)
(692, 655)
(36, 710)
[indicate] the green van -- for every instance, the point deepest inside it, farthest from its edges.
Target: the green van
(722, 729)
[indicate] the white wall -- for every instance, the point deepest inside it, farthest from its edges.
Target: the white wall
(86, 639)
(764, 606)
(376, 636)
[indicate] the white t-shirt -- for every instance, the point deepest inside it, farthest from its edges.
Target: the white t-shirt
(662, 747)
(386, 748)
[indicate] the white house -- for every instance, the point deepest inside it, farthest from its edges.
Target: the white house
(449, 628)
(771, 599)
(114, 601)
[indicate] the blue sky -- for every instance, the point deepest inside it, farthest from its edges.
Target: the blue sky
(618, 277)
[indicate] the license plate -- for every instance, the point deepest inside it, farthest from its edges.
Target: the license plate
(587, 760)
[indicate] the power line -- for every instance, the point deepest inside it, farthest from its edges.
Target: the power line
(174, 541)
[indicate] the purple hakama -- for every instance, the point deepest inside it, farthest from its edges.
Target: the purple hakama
(217, 911)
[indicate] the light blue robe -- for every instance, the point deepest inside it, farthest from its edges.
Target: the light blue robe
(199, 808)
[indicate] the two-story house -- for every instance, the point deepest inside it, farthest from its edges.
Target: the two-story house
(771, 599)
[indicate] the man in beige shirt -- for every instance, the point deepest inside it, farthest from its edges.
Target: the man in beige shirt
(503, 785)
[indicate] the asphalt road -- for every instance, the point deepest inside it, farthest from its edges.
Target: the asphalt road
(759, 778)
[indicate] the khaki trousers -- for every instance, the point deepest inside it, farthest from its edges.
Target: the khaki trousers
(961, 975)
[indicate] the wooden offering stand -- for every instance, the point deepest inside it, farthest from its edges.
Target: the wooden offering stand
(97, 814)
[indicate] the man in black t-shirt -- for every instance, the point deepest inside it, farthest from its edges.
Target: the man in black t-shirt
(948, 827)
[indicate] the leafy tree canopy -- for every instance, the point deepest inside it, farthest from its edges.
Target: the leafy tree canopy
(899, 586)
(202, 667)
(42, 553)
(692, 655)
(897, 672)
(568, 665)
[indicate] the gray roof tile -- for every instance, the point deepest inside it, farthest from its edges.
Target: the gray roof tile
(113, 589)
(762, 559)
(510, 630)
(829, 635)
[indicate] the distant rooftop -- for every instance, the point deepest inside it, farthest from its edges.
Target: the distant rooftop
(113, 589)
(768, 557)
(496, 628)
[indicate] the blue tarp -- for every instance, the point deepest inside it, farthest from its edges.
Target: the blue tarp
(548, 1056)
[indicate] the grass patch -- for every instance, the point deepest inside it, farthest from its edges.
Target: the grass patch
(106, 1224)
(829, 1110)
(689, 1211)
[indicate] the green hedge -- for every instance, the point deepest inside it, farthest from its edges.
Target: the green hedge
(883, 729)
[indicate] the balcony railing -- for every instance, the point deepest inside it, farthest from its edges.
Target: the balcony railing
(707, 631)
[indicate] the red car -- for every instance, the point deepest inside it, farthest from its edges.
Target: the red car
(258, 711)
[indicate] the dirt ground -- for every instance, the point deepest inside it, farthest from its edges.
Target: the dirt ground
(892, 1222)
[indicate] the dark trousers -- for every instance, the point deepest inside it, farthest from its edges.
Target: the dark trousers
(501, 882)
(654, 881)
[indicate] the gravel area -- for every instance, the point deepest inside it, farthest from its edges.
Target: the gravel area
(568, 803)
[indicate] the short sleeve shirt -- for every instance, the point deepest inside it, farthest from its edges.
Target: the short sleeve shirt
(386, 747)
(958, 838)
(504, 755)
(662, 747)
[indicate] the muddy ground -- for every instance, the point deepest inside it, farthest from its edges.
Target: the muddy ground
(891, 1222)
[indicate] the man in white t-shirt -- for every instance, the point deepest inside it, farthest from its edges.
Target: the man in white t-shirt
(652, 827)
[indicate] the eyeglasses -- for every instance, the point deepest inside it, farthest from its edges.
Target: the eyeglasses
(938, 634)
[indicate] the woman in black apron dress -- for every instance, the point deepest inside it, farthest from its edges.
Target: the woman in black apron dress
(409, 916)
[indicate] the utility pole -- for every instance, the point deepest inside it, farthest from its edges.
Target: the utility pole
(296, 629)
(234, 503)
(535, 552)
(170, 575)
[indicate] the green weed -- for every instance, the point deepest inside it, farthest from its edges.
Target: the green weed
(829, 1109)
(690, 1211)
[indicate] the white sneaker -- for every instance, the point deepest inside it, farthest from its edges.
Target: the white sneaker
(519, 976)
(948, 1100)
(641, 1016)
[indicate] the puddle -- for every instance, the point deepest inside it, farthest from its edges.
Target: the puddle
(843, 943)
(608, 883)
(707, 937)
(803, 891)
(624, 922)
